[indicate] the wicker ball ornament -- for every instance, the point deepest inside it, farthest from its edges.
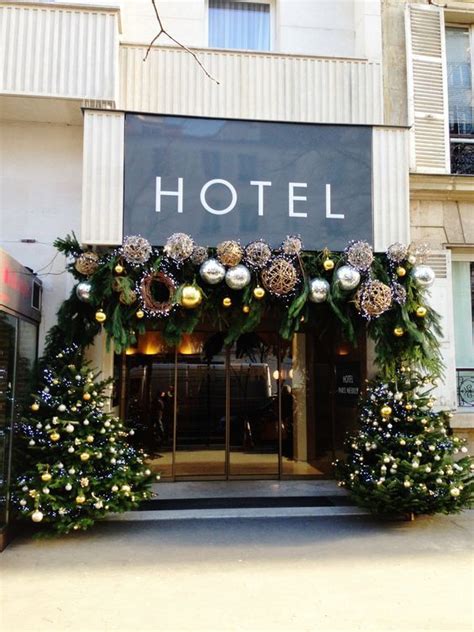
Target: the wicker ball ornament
(157, 291)
(399, 293)
(179, 247)
(199, 255)
(280, 277)
(373, 299)
(397, 252)
(257, 254)
(87, 263)
(136, 250)
(292, 245)
(230, 253)
(360, 255)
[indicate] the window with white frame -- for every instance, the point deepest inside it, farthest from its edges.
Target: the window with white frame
(239, 24)
(460, 69)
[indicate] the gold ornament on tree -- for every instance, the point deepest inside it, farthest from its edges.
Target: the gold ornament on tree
(136, 250)
(373, 299)
(257, 254)
(87, 263)
(100, 316)
(157, 291)
(179, 247)
(421, 311)
(230, 253)
(280, 277)
(385, 411)
(398, 332)
(227, 302)
(191, 297)
(259, 293)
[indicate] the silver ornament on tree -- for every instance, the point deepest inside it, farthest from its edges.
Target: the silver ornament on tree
(348, 278)
(83, 291)
(318, 290)
(423, 275)
(212, 272)
(237, 277)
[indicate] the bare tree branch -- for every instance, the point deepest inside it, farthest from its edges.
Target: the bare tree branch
(163, 31)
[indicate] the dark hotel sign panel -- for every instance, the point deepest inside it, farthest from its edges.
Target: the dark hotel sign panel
(223, 179)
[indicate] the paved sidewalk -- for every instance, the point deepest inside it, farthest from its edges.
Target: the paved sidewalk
(293, 574)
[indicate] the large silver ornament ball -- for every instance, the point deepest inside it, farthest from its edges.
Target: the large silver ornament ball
(318, 290)
(237, 277)
(423, 276)
(348, 278)
(83, 291)
(212, 271)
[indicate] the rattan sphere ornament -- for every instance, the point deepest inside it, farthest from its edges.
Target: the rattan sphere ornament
(397, 252)
(237, 277)
(373, 299)
(257, 254)
(199, 255)
(179, 247)
(348, 278)
(230, 253)
(292, 245)
(157, 291)
(212, 272)
(423, 275)
(87, 263)
(280, 277)
(136, 250)
(83, 291)
(399, 293)
(359, 255)
(318, 290)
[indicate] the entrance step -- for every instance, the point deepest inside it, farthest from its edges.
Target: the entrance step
(243, 499)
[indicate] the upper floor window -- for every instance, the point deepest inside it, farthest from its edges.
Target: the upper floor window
(244, 25)
(459, 55)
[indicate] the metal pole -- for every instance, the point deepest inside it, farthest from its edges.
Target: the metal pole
(175, 413)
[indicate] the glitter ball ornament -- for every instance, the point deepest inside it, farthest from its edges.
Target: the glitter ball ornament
(37, 516)
(423, 276)
(83, 291)
(87, 263)
(136, 250)
(373, 299)
(230, 253)
(397, 252)
(292, 245)
(318, 290)
(348, 278)
(212, 272)
(359, 255)
(237, 277)
(179, 247)
(257, 254)
(199, 255)
(280, 277)
(157, 291)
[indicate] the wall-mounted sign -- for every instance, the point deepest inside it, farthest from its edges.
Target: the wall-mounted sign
(347, 383)
(225, 179)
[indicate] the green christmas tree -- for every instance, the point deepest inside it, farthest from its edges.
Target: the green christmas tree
(404, 459)
(77, 464)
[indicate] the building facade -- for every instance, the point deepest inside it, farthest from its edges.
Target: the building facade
(79, 77)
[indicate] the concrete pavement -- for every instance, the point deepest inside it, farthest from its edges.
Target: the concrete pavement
(339, 573)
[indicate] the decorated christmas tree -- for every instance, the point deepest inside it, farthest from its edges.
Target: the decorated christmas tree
(404, 459)
(76, 464)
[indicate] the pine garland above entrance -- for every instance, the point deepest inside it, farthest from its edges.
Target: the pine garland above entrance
(191, 284)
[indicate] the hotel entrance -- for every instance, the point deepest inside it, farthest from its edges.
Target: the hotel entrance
(260, 408)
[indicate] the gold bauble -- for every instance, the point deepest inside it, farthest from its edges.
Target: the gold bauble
(119, 268)
(226, 302)
(100, 316)
(85, 456)
(191, 297)
(86, 396)
(246, 309)
(328, 264)
(259, 292)
(34, 407)
(140, 313)
(89, 438)
(385, 411)
(408, 406)
(400, 271)
(46, 477)
(421, 311)
(398, 331)
(55, 436)
(80, 500)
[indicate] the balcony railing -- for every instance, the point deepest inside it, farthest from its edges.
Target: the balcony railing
(462, 157)
(58, 51)
(465, 387)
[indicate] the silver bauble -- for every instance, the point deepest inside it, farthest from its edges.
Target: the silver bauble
(348, 278)
(212, 271)
(423, 276)
(318, 290)
(237, 277)
(83, 291)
